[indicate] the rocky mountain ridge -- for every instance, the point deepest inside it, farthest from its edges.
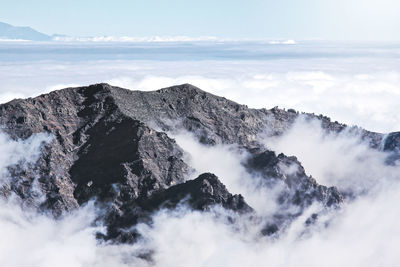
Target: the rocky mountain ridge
(112, 145)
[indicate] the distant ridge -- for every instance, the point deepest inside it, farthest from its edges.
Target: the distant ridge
(24, 33)
(11, 32)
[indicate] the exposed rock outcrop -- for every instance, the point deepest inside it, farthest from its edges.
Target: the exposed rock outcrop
(202, 193)
(111, 144)
(301, 189)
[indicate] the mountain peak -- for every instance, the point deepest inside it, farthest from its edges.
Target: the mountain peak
(115, 145)
(182, 88)
(8, 31)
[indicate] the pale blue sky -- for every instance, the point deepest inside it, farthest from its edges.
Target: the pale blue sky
(297, 19)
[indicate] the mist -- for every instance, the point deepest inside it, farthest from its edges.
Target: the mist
(361, 233)
(32, 238)
(356, 84)
(341, 159)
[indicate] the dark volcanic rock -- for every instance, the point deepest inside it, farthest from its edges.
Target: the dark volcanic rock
(392, 142)
(125, 159)
(97, 151)
(302, 189)
(297, 189)
(100, 151)
(391, 145)
(110, 145)
(201, 194)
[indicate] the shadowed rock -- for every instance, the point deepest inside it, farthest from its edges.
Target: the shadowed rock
(202, 193)
(301, 190)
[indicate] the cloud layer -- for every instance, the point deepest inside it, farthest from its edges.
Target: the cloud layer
(343, 160)
(358, 90)
(362, 233)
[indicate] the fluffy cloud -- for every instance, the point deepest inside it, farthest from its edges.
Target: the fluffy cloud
(30, 238)
(229, 170)
(362, 92)
(356, 237)
(20, 152)
(367, 100)
(362, 233)
(341, 160)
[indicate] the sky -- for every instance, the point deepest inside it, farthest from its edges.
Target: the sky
(297, 19)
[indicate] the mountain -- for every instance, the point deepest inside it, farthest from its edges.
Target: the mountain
(8, 31)
(113, 146)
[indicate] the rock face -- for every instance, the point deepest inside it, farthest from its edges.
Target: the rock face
(205, 191)
(391, 144)
(97, 152)
(110, 144)
(200, 194)
(302, 190)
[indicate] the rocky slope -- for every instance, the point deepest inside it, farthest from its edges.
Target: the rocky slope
(111, 145)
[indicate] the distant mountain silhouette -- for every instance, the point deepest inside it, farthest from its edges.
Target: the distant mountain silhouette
(8, 31)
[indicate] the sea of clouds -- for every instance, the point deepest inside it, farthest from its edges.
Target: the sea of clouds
(356, 90)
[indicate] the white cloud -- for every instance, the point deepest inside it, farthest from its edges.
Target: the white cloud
(357, 91)
(20, 151)
(285, 42)
(33, 239)
(362, 233)
(225, 161)
(356, 236)
(130, 39)
(370, 103)
(341, 160)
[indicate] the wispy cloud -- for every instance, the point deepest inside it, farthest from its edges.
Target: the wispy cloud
(183, 237)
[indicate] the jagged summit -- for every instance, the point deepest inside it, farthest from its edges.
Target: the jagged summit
(113, 145)
(194, 109)
(185, 88)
